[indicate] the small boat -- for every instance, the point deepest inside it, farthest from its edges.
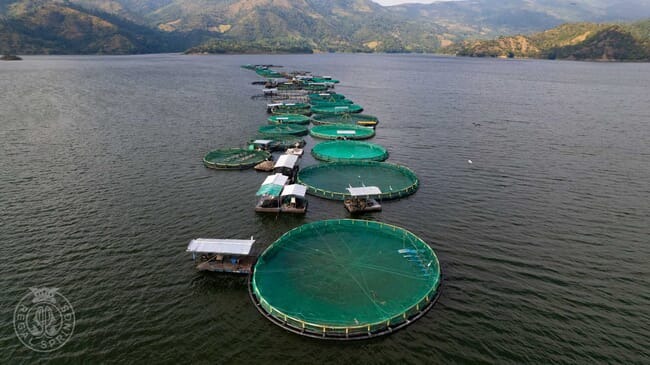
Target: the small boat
(293, 199)
(264, 166)
(287, 165)
(269, 194)
(361, 199)
(222, 255)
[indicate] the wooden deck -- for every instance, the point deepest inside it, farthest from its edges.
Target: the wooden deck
(243, 266)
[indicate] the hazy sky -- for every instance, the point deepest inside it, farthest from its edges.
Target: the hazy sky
(395, 2)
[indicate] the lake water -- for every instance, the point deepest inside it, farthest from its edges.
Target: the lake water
(544, 240)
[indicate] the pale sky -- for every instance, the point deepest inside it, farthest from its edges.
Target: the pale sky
(395, 2)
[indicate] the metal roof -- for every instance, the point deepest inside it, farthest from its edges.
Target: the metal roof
(262, 141)
(286, 161)
(277, 179)
(294, 189)
(364, 190)
(225, 246)
(346, 132)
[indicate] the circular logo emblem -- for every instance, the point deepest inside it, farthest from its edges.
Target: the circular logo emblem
(44, 319)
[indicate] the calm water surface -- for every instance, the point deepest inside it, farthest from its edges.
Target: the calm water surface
(544, 240)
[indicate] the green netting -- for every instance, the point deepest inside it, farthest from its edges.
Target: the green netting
(330, 96)
(292, 129)
(332, 151)
(312, 87)
(268, 73)
(291, 108)
(327, 103)
(330, 180)
(346, 278)
(270, 189)
(347, 118)
(322, 80)
(352, 108)
(280, 142)
(289, 119)
(234, 158)
(341, 131)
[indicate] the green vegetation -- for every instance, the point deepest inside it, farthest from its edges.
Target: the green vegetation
(291, 26)
(577, 41)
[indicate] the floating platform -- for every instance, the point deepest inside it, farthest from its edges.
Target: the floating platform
(341, 131)
(283, 129)
(289, 119)
(345, 279)
(351, 108)
(234, 158)
(222, 255)
(332, 151)
(331, 180)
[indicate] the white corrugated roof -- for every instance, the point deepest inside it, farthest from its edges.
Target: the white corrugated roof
(286, 161)
(277, 179)
(226, 246)
(263, 141)
(364, 190)
(294, 189)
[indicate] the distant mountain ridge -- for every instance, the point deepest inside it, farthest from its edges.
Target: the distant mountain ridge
(145, 26)
(576, 41)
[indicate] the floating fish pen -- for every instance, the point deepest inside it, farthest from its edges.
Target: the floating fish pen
(347, 118)
(327, 103)
(234, 158)
(345, 279)
(342, 109)
(341, 131)
(347, 150)
(289, 119)
(331, 180)
(291, 129)
(328, 96)
(268, 73)
(277, 142)
(289, 108)
(315, 87)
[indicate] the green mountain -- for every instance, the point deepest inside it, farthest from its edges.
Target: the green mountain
(143, 26)
(577, 41)
(61, 27)
(492, 18)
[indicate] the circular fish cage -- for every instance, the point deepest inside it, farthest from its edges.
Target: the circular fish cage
(346, 279)
(289, 119)
(328, 96)
(347, 118)
(292, 129)
(351, 108)
(315, 87)
(234, 158)
(291, 108)
(332, 151)
(326, 103)
(280, 142)
(341, 131)
(331, 180)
